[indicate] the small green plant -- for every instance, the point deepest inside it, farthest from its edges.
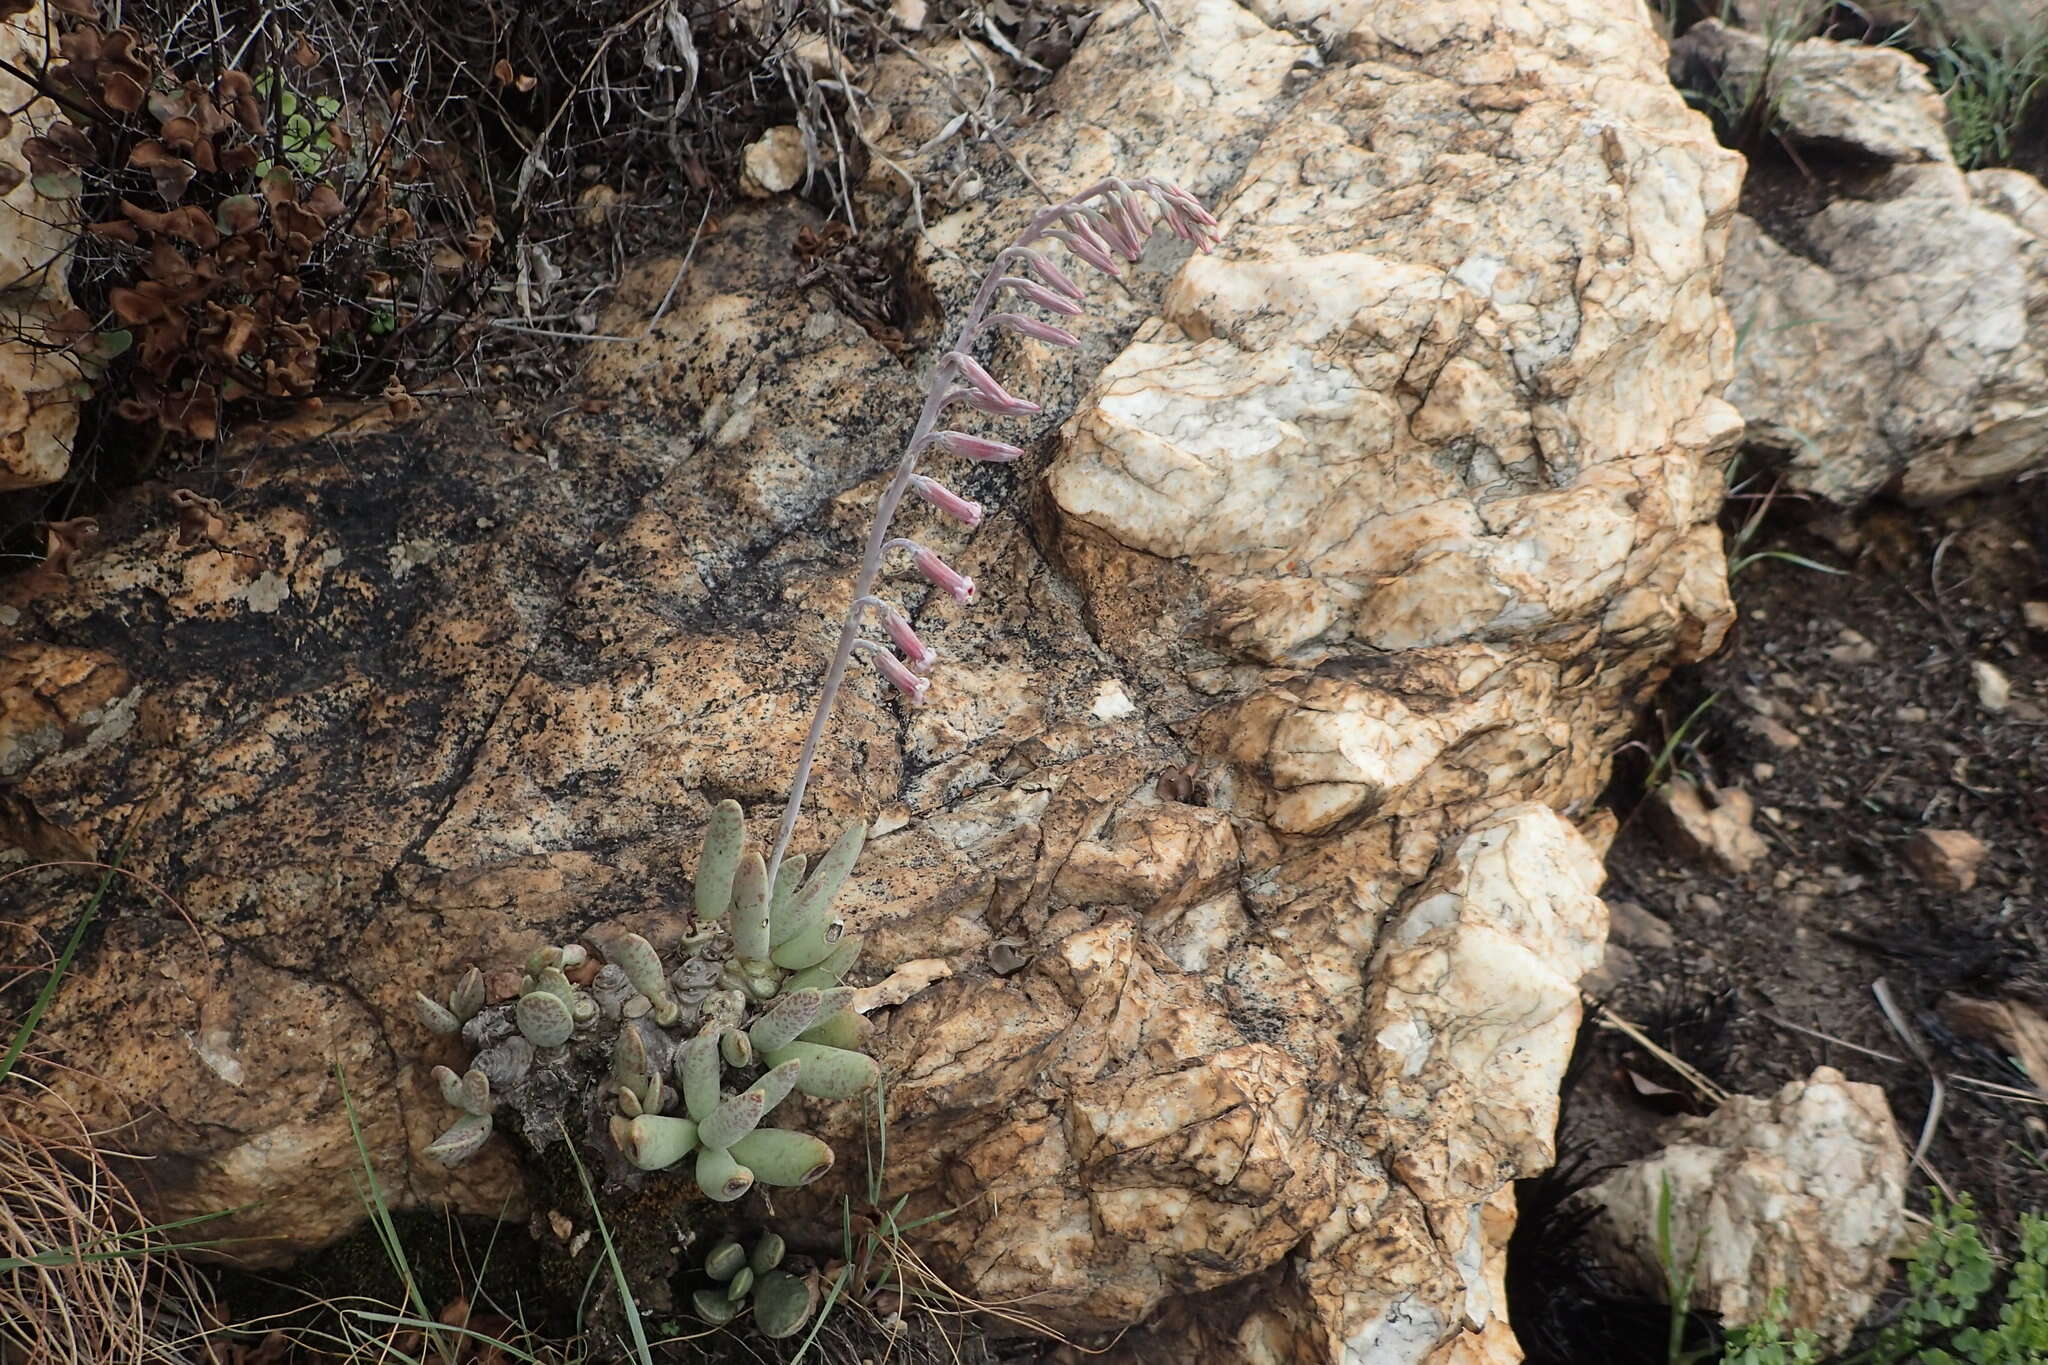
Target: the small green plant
(742, 1278)
(1948, 1317)
(1991, 85)
(1679, 1283)
(1766, 1342)
(760, 982)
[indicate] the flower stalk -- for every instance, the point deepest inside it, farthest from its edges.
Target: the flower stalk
(1104, 221)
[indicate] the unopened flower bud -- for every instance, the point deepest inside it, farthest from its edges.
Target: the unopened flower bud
(1032, 327)
(998, 400)
(1052, 274)
(1094, 252)
(960, 509)
(973, 447)
(1049, 299)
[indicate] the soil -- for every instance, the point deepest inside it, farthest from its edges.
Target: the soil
(1869, 672)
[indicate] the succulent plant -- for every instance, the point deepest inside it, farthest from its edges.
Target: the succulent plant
(645, 1050)
(782, 1302)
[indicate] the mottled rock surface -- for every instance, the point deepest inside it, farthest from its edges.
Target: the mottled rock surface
(1897, 337)
(38, 413)
(1802, 1190)
(1303, 647)
(1841, 99)
(1901, 339)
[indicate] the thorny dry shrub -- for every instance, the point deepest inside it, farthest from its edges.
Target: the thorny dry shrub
(77, 1281)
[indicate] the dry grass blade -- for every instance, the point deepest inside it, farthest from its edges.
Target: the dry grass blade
(1686, 1071)
(1938, 1096)
(83, 1277)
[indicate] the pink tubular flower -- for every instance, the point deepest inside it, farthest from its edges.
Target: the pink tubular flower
(1094, 252)
(1124, 212)
(942, 575)
(973, 447)
(960, 509)
(908, 683)
(1057, 278)
(919, 655)
(996, 399)
(1049, 299)
(1032, 327)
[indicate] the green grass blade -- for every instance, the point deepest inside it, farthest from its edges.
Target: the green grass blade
(611, 1254)
(63, 964)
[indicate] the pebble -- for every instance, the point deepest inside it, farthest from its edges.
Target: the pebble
(1994, 689)
(1946, 859)
(1855, 648)
(1630, 923)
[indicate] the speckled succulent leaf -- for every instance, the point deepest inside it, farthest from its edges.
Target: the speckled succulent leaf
(741, 1282)
(750, 909)
(789, 880)
(552, 980)
(775, 1084)
(655, 1142)
(726, 1260)
(475, 1092)
(832, 970)
(468, 995)
(783, 1303)
(462, 1140)
(713, 1307)
(845, 1029)
(435, 1015)
(630, 1056)
(542, 958)
(768, 1250)
(721, 1177)
(792, 1014)
(829, 1073)
(641, 964)
(781, 1156)
(451, 1088)
(697, 1071)
(629, 1102)
(725, 838)
(734, 1046)
(543, 1019)
(809, 948)
(733, 1119)
(813, 905)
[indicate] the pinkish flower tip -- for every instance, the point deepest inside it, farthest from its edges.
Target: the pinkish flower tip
(960, 509)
